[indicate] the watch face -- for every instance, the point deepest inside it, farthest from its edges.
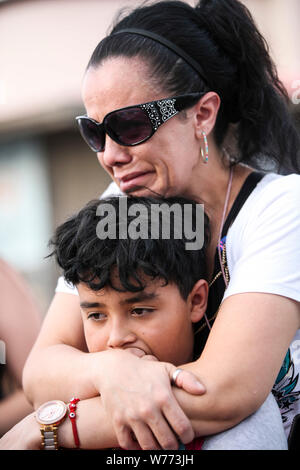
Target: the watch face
(51, 412)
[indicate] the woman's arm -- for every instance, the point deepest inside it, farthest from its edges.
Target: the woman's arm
(241, 360)
(263, 430)
(58, 365)
(94, 430)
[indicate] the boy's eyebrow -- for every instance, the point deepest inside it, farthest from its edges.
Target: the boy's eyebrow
(86, 304)
(140, 297)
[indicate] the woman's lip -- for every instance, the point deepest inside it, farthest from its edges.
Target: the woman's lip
(132, 175)
(130, 181)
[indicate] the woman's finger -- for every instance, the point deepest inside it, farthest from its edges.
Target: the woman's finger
(144, 436)
(126, 438)
(187, 381)
(178, 421)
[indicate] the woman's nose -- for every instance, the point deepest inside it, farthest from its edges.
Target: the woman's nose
(114, 154)
(120, 335)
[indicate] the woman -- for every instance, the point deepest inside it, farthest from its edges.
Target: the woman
(231, 115)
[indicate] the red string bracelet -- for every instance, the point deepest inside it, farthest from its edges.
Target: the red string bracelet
(72, 416)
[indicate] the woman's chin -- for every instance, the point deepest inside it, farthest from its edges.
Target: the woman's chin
(145, 191)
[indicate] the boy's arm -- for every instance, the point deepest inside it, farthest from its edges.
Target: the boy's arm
(263, 430)
(95, 430)
(59, 365)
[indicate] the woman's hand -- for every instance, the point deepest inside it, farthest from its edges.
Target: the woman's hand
(138, 399)
(23, 436)
(186, 380)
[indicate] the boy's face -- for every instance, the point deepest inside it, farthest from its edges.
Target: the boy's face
(156, 321)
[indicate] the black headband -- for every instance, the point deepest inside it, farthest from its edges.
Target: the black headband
(170, 45)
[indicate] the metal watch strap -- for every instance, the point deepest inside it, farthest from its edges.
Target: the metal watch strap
(49, 437)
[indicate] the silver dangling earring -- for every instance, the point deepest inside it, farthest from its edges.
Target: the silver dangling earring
(204, 154)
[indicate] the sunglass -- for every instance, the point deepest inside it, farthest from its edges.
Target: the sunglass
(133, 125)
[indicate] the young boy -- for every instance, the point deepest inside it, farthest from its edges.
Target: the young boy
(146, 296)
(143, 294)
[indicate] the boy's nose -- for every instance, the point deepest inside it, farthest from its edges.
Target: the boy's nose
(120, 335)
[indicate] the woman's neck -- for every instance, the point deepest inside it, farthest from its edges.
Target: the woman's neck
(213, 187)
(214, 204)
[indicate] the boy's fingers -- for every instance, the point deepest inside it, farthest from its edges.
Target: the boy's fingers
(187, 381)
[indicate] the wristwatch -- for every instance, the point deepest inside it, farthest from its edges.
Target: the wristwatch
(49, 416)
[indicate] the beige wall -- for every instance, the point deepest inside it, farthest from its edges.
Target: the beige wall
(279, 21)
(45, 46)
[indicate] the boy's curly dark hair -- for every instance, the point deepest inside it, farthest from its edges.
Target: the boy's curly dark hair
(84, 257)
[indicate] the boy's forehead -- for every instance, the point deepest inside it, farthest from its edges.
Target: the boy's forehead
(152, 290)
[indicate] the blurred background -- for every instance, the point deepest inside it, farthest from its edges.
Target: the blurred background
(46, 170)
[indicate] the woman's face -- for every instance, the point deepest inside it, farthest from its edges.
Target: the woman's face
(165, 163)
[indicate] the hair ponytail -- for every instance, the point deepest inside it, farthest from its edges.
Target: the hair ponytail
(258, 101)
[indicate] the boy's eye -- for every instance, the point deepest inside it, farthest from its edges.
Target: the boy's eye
(141, 311)
(96, 316)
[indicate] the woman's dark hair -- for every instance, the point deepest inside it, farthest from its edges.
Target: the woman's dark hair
(221, 36)
(84, 256)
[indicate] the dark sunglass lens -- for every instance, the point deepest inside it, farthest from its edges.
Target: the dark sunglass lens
(92, 134)
(130, 126)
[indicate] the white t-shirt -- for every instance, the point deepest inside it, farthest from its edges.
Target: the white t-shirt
(263, 243)
(263, 255)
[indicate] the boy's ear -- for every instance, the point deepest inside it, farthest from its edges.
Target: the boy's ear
(198, 300)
